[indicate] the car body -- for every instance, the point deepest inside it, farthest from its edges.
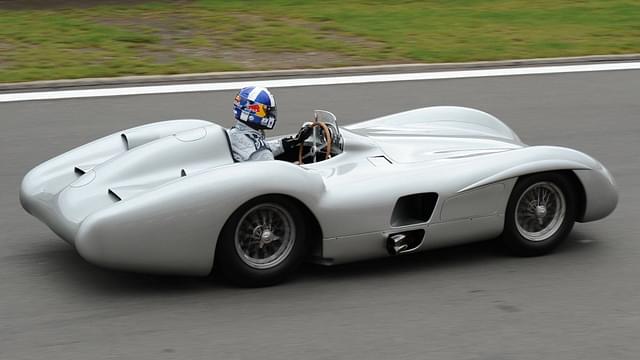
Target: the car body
(156, 198)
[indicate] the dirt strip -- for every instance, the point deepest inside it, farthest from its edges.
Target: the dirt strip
(257, 75)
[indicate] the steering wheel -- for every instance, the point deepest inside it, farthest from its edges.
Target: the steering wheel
(314, 149)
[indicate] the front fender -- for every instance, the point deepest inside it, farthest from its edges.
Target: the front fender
(600, 189)
(601, 193)
(533, 159)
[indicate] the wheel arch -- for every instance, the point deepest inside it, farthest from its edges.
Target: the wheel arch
(577, 187)
(522, 240)
(581, 194)
(314, 230)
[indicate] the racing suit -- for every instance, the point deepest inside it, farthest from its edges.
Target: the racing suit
(250, 144)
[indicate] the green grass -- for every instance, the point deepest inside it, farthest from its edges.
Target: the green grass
(199, 36)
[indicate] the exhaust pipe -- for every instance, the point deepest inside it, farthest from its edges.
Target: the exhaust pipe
(397, 244)
(404, 242)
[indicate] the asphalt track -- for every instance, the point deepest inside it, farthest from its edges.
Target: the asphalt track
(469, 302)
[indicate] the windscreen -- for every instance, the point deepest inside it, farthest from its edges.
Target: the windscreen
(330, 120)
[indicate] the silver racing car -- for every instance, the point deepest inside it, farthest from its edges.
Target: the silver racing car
(167, 197)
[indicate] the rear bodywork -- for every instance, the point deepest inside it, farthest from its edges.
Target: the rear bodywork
(155, 198)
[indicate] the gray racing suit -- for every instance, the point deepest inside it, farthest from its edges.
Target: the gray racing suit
(250, 144)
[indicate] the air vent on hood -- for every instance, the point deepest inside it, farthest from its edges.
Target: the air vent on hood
(125, 141)
(82, 169)
(114, 196)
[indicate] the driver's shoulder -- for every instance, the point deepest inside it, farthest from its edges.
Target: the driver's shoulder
(243, 138)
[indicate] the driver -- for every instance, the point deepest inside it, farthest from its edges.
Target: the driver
(255, 110)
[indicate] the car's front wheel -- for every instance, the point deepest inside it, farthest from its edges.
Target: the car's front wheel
(263, 242)
(540, 214)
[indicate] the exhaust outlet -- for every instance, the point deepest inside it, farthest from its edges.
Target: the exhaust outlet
(405, 242)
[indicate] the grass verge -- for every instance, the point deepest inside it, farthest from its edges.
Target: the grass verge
(76, 39)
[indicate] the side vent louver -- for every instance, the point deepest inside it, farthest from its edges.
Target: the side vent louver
(413, 209)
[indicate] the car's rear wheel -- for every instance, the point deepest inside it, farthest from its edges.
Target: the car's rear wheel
(263, 242)
(540, 214)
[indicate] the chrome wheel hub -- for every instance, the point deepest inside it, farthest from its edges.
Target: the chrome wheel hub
(540, 211)
(265, 236)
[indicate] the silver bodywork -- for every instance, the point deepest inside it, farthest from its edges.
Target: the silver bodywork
(154, 198)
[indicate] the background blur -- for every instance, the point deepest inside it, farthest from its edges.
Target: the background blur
(92, 38)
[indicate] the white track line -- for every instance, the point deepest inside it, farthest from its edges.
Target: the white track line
(359, 79)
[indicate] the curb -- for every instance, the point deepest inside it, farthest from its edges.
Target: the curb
(261, 75)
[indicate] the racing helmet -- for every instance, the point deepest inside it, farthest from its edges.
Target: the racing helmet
(256, 107)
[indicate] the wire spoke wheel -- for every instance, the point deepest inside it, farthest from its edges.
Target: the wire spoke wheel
(264, 236)
(540, 211)
(263, 242)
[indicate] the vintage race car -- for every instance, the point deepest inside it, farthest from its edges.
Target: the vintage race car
(167, 197)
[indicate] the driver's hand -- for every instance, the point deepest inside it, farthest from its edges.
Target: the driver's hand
(304, 133)
(289, 143)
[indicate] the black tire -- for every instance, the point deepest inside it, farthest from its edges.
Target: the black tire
(244, 260)
(520, 236)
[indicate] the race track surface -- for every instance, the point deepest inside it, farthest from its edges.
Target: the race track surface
(468, 302)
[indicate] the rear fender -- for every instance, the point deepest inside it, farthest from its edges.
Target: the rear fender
(141, 135)
(53, 175)
(175, 228)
